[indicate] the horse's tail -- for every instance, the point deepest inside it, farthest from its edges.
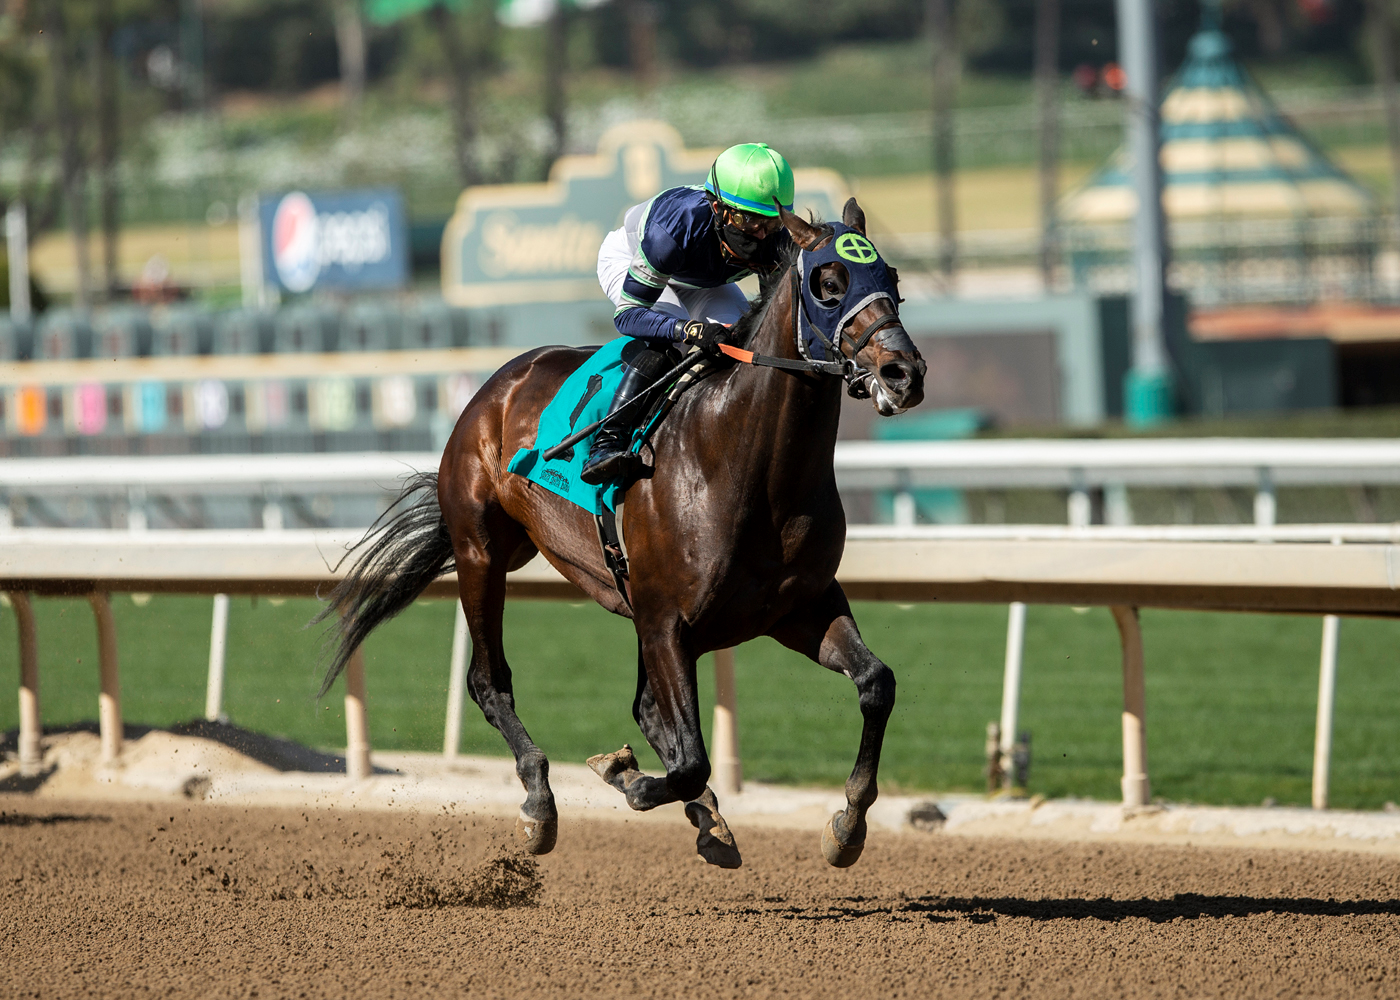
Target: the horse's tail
(405, 550)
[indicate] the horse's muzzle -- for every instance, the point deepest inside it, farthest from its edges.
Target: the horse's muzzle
(899, 384)
(899, 372)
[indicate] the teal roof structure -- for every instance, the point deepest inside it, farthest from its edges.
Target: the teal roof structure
(1226, 151)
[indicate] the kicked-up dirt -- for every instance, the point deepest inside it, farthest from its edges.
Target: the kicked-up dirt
(138, 900)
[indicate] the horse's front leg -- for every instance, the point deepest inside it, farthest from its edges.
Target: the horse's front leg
(715, 841)
(826, 632)
(668, 711)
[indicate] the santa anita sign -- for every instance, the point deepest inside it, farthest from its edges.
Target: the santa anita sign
(518, 244)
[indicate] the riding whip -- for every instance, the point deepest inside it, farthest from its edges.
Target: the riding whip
(550, 454)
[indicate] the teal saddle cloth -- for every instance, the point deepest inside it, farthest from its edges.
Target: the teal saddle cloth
(583, 398)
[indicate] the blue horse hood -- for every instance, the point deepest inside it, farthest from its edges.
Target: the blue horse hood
(870, 280)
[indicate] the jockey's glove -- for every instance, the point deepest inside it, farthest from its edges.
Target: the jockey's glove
(706, 336)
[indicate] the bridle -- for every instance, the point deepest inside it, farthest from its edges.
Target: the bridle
(857, 379)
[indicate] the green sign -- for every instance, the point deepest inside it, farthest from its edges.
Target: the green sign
(527, 243)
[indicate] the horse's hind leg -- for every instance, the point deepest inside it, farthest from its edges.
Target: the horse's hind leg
(482, 584)
(827, 633)
(715, 842)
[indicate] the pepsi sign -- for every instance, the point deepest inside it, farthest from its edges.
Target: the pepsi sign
(336, 239)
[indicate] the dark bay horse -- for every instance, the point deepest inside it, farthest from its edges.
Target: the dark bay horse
(737, 534)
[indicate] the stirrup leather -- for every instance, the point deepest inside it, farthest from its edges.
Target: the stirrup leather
(614, 551)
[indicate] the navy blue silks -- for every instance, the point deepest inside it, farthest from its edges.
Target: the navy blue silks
(870, 280)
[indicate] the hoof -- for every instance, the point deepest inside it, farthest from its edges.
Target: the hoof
(539, 835)
(612, 767)
(716, 841)
(838, 855)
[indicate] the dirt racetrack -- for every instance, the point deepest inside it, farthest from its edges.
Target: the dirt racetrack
(144, 900)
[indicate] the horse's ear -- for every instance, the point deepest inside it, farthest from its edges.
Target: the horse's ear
(804, 235)
(853, 216)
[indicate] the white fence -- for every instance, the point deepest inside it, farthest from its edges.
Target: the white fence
(1078, 466)
(1121, 566)
(1075, 466)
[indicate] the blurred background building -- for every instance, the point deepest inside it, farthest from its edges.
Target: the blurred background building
(273, 225)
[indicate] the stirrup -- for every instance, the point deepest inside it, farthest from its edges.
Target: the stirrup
(608, 467)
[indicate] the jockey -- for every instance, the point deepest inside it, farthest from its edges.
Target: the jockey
(671, 270)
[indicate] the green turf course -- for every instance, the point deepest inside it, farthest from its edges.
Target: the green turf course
(1231, 698)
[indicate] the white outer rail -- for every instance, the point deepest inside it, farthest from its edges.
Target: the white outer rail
(212, 472)
(1075, 465)
(1133, 461)
(991, 463)
(1090, 568)
(1388, 533)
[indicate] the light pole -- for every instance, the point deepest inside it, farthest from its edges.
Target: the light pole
(1147, 389)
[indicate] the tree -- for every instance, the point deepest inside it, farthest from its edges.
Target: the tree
(641, 16)
(350, 44)
(942, 27)
(108, 108)
(1382, 31)
(1047, 82)
(72, 162)
(459, 69)
(556, 66)
(466, 59)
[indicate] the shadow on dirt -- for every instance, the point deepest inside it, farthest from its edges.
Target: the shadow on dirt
(1188, 906)
(985, 910)
(283, 755)
(31, 819)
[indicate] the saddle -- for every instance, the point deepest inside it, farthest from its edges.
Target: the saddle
(610, 539)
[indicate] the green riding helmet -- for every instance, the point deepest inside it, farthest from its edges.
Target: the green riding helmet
(749, 176)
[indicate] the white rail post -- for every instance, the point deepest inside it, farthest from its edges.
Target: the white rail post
(1011, 686)
(727, 769)
(905, 509)
(357, 763)
(136, 517)
(1079, 508)
(1265, 502)
(218, 651)
(1117, 505)
(1326, 693)
(272, 515)
(456, 684)
(109, 701)
(31, 754)
(1137, 789)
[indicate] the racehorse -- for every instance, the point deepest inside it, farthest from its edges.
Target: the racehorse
(737, 533)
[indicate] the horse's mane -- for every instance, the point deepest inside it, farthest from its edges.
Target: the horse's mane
(749, 323)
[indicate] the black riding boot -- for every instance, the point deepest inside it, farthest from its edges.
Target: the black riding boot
(610, 457)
